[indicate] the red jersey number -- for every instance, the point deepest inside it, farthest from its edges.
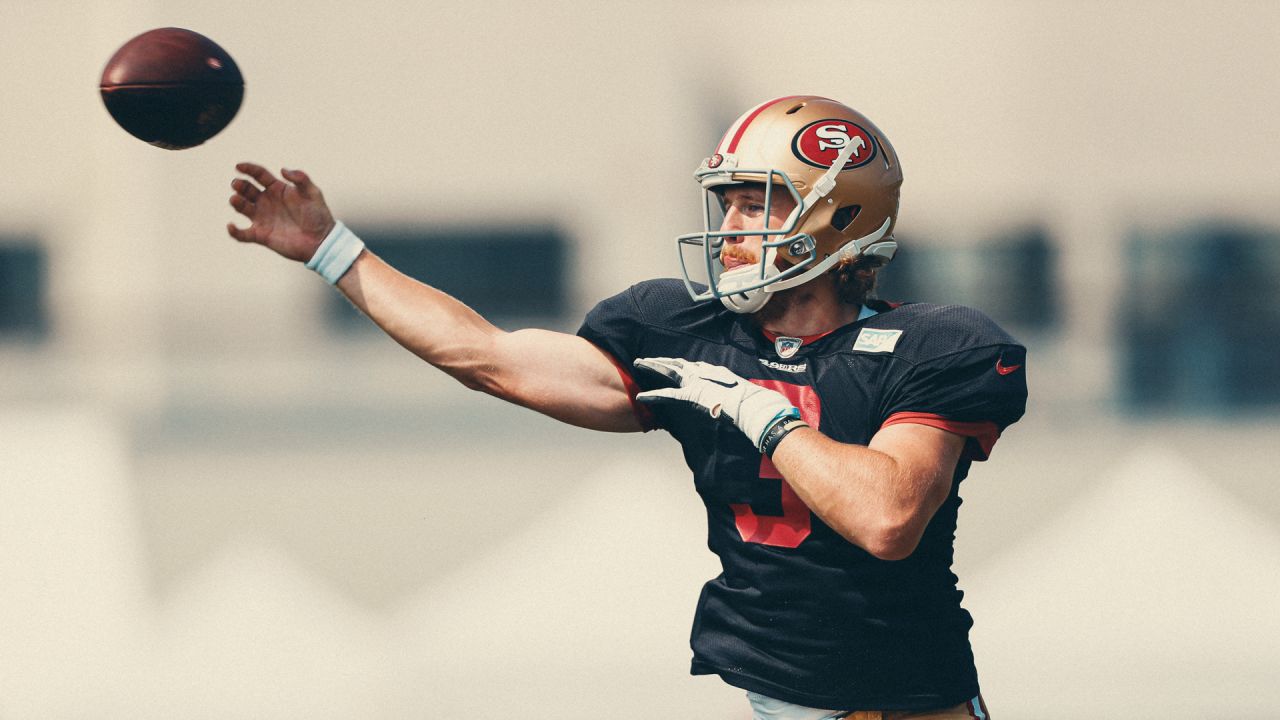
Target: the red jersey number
(793, 526)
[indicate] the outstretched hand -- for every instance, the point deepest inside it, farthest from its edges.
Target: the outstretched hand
(289, 216)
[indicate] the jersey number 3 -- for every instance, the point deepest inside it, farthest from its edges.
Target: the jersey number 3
(793, 526)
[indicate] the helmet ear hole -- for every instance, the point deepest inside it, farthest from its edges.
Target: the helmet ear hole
(841, 219)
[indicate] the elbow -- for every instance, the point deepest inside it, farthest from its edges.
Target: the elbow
(901, 525)
(894, 540)
(893, 551)
(886, 540)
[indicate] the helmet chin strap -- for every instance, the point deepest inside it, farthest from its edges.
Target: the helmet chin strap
(851, 249)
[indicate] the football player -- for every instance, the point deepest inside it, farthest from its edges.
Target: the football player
(827, 432)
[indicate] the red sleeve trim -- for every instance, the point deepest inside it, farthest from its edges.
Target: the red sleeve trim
(643, 415)
(982, 435)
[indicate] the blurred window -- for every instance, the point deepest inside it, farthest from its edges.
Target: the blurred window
(507, 275)
(1011, 277)
(23, 313)
(1199, 327)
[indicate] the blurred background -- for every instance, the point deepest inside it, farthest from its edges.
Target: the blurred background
(225, 495)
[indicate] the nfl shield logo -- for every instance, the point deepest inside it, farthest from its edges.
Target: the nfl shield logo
(787, 346)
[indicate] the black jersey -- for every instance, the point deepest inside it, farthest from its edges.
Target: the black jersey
(799, 613)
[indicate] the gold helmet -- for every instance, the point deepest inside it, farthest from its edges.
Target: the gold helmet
(838, 167)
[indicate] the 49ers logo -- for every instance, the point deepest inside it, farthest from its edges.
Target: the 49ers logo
(820, 143)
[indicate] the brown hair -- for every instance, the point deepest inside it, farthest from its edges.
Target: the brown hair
(856, 279)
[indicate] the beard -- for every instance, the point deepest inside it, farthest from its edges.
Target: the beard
(739, 253)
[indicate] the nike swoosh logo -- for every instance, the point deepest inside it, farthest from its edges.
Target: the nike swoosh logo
(1006, 369)
(722, 383)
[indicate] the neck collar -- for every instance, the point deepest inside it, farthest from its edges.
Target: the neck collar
(864, 313)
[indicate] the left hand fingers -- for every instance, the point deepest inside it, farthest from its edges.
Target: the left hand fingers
(240, 234)
(257, 172)
(245, 189)
(243, 206)
(302, 181)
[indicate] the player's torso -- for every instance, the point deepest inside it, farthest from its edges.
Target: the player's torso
(819, 606)
(800, 613)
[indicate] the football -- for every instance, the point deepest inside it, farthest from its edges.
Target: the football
(171, 87)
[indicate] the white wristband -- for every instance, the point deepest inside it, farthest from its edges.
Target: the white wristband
(336, 254)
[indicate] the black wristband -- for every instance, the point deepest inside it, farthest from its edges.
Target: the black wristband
(779, 430)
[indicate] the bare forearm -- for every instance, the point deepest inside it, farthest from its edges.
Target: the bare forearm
(851, 487)
(429, 323)
(559, 375)
(879, 497)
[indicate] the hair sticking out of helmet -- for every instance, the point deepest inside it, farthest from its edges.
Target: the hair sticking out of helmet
(838, 167)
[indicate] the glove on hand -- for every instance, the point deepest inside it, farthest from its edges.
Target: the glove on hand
(713, 388)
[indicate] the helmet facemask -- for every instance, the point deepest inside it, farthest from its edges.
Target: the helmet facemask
(742, 289)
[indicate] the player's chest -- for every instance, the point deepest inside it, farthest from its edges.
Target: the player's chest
(840, 394)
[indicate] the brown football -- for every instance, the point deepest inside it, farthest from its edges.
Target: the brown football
(171, 87)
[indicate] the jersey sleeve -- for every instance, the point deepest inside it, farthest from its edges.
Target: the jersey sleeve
(614, 325)
(975, 393)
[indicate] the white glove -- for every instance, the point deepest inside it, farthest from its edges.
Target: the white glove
(717, 390)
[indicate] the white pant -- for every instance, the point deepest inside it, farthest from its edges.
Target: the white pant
(764, 707)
